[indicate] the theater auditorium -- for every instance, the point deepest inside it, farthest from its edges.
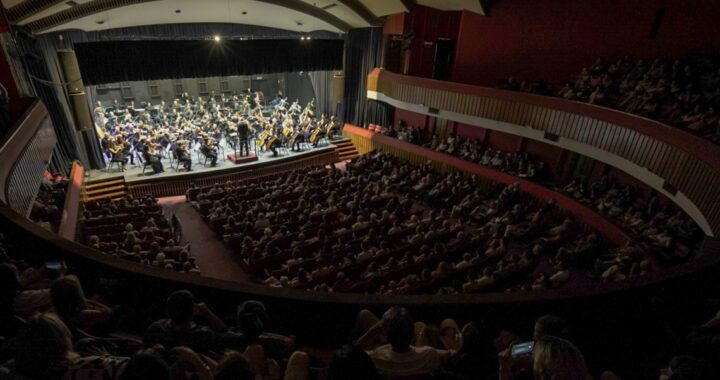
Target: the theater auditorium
(359, 189)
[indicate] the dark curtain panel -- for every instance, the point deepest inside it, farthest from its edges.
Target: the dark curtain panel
(380, 113)
(362, 54)
(122, 61)
(325, 96)
(42, 70)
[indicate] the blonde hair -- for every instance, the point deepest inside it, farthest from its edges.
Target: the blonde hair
(559, 359)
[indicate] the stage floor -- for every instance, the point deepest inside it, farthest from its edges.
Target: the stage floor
(134, 172)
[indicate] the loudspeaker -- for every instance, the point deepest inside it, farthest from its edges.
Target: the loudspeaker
(338, 87)
(81, 112)
(71, 70)
(76, 90)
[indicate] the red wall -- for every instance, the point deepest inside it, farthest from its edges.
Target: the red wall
(503, 141)
(428, 24)
(470, 131)
(410, 118)
(554, 39)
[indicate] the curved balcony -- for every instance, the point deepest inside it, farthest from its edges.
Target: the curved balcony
(681, 166)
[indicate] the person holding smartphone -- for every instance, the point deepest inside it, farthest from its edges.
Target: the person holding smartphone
(548, 358)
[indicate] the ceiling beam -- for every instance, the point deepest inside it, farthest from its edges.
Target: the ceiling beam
(361, 10)
(29, 8)
(408, 4)
(98, 6)
(311, 10)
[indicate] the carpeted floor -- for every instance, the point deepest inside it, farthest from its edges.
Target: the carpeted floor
(213, 258)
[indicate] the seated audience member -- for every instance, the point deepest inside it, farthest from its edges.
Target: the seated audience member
(552, 358)
(179, 329)
(476, 357)
(352, 363)
(43, 350)
(399, 357)
(76, 311)
(18, 301)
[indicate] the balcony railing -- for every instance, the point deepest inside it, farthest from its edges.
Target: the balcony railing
(684, 167)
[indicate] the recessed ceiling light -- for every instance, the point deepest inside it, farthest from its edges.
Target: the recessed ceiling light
(178, 10)
(243, 12)
(100, 22)
(71, 3)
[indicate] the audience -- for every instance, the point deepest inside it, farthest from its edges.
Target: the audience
(136, 230)
(683, 94)
(412, 230)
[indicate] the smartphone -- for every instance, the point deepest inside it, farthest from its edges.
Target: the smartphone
(53, 265)
(524, 348)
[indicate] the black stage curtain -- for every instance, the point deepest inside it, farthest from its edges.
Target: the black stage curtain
(380, 113)
(43, 68)
(362, 54)
(123, 61)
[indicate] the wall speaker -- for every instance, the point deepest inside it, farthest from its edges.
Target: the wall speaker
(338, 87)
(76, 89)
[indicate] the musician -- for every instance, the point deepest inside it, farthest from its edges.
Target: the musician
(331, 128)
(183, 155)
(275, 141)
(150, 154)
(243, 130)
(115, 147)
(208, 150)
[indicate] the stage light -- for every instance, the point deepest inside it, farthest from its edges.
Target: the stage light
(302, 38)
(216, 38)
(308, 37)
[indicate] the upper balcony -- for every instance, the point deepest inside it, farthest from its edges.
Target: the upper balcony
(683, 167)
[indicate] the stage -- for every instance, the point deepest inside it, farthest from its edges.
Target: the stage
(134, 173)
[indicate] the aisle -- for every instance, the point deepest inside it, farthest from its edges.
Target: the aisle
(213, 258)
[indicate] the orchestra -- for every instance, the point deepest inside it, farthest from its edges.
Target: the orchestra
(147, 133)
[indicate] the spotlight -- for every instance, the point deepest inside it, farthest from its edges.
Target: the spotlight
(216, 38)
(302, 38)
(308, 37)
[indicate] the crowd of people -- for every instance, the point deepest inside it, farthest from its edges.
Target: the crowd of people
(48, 206)
(148, 134)
(469, 149)
(684, 94)
(663, 229)
(53, 330)
(410, 230)
(137, 230)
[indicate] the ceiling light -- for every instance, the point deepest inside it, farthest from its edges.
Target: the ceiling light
(302, 38)
(243, 12)
(71, 3)
(178, 10)
(308, 37)
(216, 38)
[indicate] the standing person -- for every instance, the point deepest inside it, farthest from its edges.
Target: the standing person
(244, 136)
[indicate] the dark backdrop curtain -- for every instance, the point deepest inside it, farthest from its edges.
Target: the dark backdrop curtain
(42, 65)
(326, 98)
(363, 49)
(120, 61)
(380, 113)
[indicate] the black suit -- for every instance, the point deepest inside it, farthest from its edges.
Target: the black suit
(210, 153)
(244, 137)
(184, 158)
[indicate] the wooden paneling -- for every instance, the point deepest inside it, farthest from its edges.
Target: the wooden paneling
(684, 160)
(68, 223)
(24, 155)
